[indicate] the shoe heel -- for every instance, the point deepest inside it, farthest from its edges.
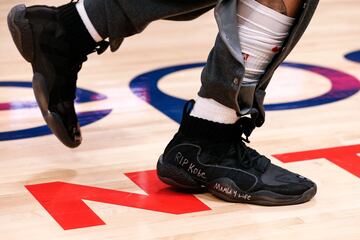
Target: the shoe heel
(176, 177)
(21, 32)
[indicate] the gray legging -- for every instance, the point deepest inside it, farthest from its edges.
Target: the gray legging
(222, 76)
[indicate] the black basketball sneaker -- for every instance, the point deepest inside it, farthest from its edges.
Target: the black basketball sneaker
(56, 43)
(213, 156)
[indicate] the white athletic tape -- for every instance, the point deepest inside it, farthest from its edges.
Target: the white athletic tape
(262, 32)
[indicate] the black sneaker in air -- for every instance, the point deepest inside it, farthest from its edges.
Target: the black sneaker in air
(56, 43)
(213, 156)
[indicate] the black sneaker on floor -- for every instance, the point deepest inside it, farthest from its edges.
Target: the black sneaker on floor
(56, 43)
(208, 155)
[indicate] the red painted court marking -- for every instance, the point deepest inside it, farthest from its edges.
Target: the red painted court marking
(64, 201)
(345, 157)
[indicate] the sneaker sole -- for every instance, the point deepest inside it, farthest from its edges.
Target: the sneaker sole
(21, 32)
(167, 173)
(226, 189)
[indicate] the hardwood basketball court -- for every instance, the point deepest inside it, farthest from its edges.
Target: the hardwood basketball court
(107, 188)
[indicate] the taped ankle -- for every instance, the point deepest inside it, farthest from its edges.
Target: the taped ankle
(262, 32)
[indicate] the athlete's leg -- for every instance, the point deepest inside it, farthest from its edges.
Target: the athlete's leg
(117, 19)
(208, 150)
(287, 7)
(225, 66)
(56, 40)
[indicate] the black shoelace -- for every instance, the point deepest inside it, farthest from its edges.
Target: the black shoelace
(248, 157)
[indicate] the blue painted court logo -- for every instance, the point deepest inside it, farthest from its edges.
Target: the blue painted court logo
(85, 118)
(353, 56)
(145, 86)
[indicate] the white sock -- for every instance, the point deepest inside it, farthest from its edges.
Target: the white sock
(211, 110)
(262, 32)
(86, 20)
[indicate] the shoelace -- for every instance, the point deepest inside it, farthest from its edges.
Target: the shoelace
(101, 48)
(247, 156)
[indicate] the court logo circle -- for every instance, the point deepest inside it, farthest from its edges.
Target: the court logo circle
(85, 118)
(145, 86)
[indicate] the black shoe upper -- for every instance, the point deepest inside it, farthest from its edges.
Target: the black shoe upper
(220, 151)
(61, 45)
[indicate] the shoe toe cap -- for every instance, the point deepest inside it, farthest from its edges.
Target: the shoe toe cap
(282, 181)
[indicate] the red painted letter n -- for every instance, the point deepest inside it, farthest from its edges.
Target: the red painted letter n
(64, 201)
